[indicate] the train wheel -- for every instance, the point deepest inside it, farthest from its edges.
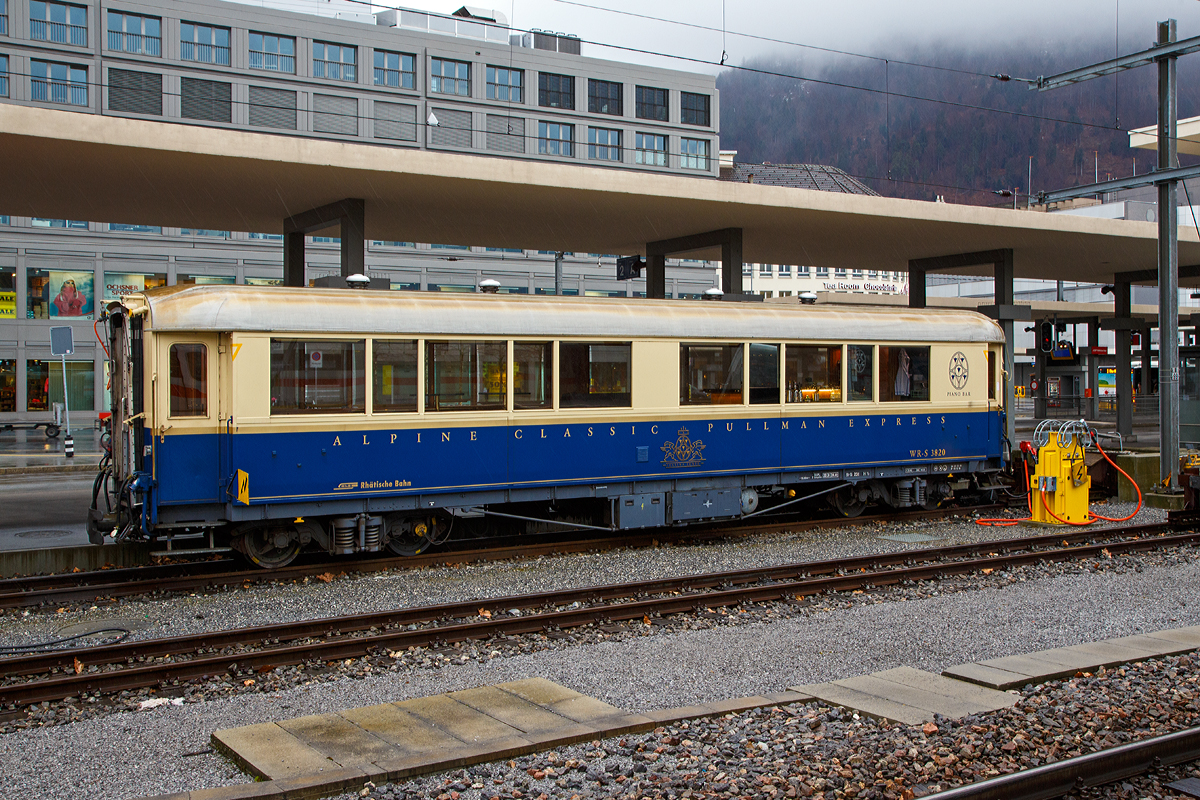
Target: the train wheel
(408, 536)
(848, 503)
(269, 548)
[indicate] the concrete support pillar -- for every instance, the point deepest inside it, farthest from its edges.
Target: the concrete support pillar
(916, 285)
(1121, 310)
(1004, 293)
(728, 239)
(1168, 265)
(1092, 410)
(656, 276)
(350, 217)
(731, 262)
(1147, 357)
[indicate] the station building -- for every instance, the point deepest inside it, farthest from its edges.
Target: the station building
(403, 78)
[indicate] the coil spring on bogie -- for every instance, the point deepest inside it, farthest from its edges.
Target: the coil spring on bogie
(345, 533)
(374, 533)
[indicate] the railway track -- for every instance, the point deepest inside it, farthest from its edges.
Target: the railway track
(77, 587)
(158, 662)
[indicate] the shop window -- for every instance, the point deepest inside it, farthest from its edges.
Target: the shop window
(8, 385)
(861, 367)
(710, 374)
(205, 280)
(264, 281)
(466, 376)
(189, 380)
(813, 373)
(904, 374)
(117, 285)
(59, 293)
(44, 385)
(394, 366)
(764, 374)
(8, 293)
(594, 374)
(533, 368)
(317, 377)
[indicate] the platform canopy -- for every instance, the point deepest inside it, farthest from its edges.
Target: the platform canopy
(63, 164)
(1187, 137)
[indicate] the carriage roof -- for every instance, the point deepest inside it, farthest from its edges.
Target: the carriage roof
(303, 310)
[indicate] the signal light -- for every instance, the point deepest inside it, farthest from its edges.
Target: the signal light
(1046, 337)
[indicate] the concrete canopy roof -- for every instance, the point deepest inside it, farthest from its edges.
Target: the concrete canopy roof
(62, 164)
(1187, 137)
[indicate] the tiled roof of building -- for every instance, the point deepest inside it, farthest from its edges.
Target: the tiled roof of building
(798, 176)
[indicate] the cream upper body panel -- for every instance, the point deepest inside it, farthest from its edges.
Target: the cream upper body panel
(227, 308)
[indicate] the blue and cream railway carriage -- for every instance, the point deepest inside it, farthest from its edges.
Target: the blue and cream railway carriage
(358, 420)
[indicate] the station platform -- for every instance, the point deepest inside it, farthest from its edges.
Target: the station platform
(326, 754)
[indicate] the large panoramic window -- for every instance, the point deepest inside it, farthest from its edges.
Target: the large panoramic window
(813, 373)
(466, 376)
(189, 380)
(710, 374)
(594, 374)
(204, 43)
(394, 366)
(44, 385)
(903, 373)
(317, 376)
(533, 368)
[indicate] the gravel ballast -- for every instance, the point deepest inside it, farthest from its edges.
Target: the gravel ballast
(928, 626)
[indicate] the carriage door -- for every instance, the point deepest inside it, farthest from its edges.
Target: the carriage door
(185, 425)
(226, 352)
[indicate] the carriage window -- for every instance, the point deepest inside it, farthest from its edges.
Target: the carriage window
(318, 377)
(466, 376)
(710, 374)
(764, 374)
(860, 360)
(189, 380)
(594, 374)
(814, 374)
(533, 364)
(394, 366)
(903, 373)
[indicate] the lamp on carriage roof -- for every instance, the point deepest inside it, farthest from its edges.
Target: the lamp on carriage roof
(489, 286)
(808, 298)
(713, 294)
(358, 281)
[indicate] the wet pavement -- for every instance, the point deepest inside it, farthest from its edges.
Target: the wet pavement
(35, 449)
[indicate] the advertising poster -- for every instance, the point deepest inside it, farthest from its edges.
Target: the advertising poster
(1106, 381)
(8, 304)
(117, 285)
(68, 294)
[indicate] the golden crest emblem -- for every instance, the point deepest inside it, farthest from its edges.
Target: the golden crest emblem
(682, 452)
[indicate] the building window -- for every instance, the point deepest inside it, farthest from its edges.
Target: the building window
(556, 91)
(505, 134)
(132, 92)
(594, 374)
(4, 32)
(858, 273)
(397, 70)
(206, 100)
(58, 83)
(394, 366)
(272, 108)
(822, 272)
(453, 128)
(604, 144)
(3, 76)
(651, 103)
(802, 271)
(204, 43)
(710, 374)
(59, 293)
(337, 62)
(764, 269)
(189, 380)
(124, 227)
(505, 84)
(273, 53)
(333, 114)
(556, 139)
(839, 273)
(8, 381)
(44, 385)
(466, 376)
(450, 77)
(395, 120)
(785, 270)
(693, 109)
(693, 153)
(651, 149)
(318, 377)
(604, 97)
(58, 22)
(134, 33)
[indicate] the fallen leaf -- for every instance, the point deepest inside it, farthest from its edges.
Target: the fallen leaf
(1106, 553)
(646, 620)
(76, 569)
(61, 611)
(78, 666)
(327, 577)
(987, 571)
(248, 682)
(483, 612)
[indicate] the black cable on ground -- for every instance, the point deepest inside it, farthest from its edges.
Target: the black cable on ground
(49, 647)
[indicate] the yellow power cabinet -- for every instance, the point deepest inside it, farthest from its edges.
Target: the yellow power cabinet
(1060, 479)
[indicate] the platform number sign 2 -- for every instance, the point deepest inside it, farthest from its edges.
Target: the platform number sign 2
(243, 487)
